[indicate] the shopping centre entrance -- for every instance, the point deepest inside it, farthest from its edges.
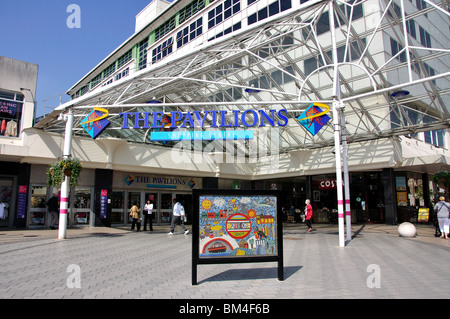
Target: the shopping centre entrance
(162, 205)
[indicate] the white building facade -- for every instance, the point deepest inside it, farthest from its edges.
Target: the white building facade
(227, 66)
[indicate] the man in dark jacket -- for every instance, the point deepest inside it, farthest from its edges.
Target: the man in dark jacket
(53, 208)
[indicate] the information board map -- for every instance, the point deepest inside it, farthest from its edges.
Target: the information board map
(237, 226)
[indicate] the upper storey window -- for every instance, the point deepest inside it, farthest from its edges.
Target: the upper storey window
(191, 9)
(222, 12)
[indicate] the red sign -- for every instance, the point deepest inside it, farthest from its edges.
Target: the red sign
(327, 184)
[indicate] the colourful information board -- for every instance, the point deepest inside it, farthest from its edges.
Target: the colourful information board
(233, 226)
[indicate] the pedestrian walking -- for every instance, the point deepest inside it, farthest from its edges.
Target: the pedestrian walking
(177, 216)
(53, 208)
(135, 215)
(442, 208)
(308, 214)
(148, 208)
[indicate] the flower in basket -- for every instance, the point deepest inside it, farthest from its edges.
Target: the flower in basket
(58, 171)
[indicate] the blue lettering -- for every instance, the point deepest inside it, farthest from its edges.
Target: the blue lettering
(188, 118)
(176, 118)
(214, 118)
(137, 119)
(255, 118)
(284, 118)
(236, 118)
(197, 119)
(201, 120)
(125, 119)
(223, 124)
(271, 119)
(157, 120)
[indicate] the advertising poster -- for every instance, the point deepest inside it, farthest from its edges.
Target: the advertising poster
(22, 202)
(103, 203)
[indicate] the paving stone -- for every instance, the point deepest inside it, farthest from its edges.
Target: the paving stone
(155, 266)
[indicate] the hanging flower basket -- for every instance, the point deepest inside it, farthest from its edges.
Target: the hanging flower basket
(442, 177)
(58, 171)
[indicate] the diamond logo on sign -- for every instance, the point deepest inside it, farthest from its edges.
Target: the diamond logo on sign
(129, 180)
(314, 118)
(95, 123)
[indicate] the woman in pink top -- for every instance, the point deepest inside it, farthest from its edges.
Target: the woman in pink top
(308, 214)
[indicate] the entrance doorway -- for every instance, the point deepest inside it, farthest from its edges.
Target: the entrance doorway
(6, 202)
(165, 208)
(186, 201)
(153, 198)
(162, 205)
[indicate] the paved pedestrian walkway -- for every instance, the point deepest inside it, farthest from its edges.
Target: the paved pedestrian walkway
(116, 263)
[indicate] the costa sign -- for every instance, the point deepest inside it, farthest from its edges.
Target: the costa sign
(327, 184)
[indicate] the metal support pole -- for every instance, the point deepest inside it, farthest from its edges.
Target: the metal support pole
(337, 128)
(337, 143)
(348, 215)
(65, 186)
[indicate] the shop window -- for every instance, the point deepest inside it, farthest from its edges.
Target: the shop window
(5, 200)
(11, 105)
(82, 205)
(38, 207)
(117, 200)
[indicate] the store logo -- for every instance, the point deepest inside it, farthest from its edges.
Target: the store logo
(129, 180)
(314, 118)
(191, 184)
(95, 122)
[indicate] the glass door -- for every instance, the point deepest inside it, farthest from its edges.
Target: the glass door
(153, 198)
(117, 207)
(82, 206)
(134, 198)
(165, 210)
(38, 210)
(186, 201)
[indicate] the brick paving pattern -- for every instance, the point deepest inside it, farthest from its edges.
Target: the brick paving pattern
(117, 263)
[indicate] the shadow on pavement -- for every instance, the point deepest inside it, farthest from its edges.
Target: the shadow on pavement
(252, 274)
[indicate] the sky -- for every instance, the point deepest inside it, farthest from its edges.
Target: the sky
(37, 31)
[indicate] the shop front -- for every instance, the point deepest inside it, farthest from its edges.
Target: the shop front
(129, 188)
(369, 196)
(6, 200)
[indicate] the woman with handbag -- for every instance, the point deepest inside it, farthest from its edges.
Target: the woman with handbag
(135, 215)
(443, 215)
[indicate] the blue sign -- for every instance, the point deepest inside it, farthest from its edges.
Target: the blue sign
(201, 135)
(95, 123)
(164, 125)
(314, 118)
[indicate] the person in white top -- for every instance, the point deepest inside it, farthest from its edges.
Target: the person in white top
(148, 207)
(177, 217)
